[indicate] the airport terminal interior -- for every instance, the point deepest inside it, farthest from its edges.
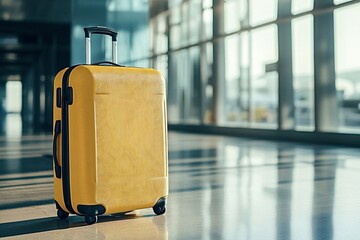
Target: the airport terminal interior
(263, 113)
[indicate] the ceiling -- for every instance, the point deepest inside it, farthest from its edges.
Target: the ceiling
(23, 44)
(27, 29)
(58, 11)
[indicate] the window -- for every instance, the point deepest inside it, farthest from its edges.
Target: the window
(13, 106)
(236, 102)
(161, 64)
(184, 102)
(245, 53)
(347, 66)
(303, 72)
(207, 22)
(262, 11)
(232, 79)
(231, 16)
(176, 87)
(13, 96)
(299, 6)
(175, 37)
(207, 82)
(264, 81)
(194, 21)
(175, 20)
(184, 37)
(160, 36)
(193, 94)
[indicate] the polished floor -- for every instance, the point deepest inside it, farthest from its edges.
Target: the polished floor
(220, 188)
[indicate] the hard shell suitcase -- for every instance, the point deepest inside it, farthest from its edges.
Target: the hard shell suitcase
(110, 138)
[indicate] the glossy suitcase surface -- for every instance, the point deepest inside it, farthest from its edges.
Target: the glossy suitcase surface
(110, 140)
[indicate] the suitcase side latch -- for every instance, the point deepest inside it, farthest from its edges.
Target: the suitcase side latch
(58, 97)
(69, 95)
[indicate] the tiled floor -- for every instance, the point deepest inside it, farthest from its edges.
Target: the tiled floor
(220, 188)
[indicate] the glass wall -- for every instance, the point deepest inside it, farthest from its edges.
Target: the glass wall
(264, 77)
(262, 11)
(128, 17)
(347, 66)
(303, 71)
(13, 100)
(259, 63)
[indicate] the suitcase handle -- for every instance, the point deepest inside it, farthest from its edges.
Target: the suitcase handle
(57, 130)
(107, 63)
(99, 30)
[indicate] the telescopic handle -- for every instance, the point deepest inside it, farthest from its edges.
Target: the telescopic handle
(99, 30)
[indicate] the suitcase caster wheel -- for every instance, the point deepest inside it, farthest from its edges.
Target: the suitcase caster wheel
(159, 210)
(159, 207)
(91, 219)
(62, 214)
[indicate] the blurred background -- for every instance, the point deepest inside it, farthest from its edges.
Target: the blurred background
(255, 67)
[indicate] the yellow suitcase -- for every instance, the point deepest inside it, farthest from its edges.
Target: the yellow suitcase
(110, 138)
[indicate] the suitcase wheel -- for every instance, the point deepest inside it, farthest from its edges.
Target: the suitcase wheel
(62, 214)
(160, 207)
(91, 219)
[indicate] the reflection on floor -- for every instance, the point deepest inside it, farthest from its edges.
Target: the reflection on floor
(220, 188)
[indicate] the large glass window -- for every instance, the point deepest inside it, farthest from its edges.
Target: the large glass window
(240, 85)
(232, 78)
(231, 16)
(160, 34)
(175, 20)
(184, 98)
(194, 21)
(235, 15)
(207, 22)
(303, 72)
(193, 94)
(299, 6)
(161, 64)
(139, 39)
(184, 25)
(175, 37)
(262, 11)
(264, 80)
(140, 63)
(176, 87)
(207, 3)
(13, 106)
(236, 102)
(13, 96)
(123, 48)
(347, 66)
(133, 35)
(207, 83)
(244, 77)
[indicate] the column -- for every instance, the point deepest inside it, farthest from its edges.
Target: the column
(286, 107)
(219, 62)
(326, 109)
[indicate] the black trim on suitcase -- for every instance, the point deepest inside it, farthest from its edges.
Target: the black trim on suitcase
(65, 139)
(57, 204)
(91, 209)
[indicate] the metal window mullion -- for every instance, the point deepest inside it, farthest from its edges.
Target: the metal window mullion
(326, 116)
(286, 106)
